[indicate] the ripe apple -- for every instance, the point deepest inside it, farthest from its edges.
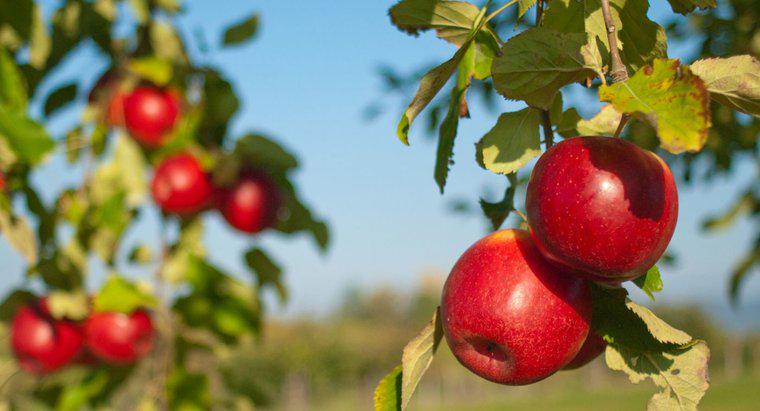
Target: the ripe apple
(118, 338)
(592, 348)
(150, 114)
(251, 205)
(181, 186)
(508, 315)
(602, 207)
(2, 182)
(41, 343)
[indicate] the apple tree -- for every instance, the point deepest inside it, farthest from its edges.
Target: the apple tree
(151, 146)
(600, 207)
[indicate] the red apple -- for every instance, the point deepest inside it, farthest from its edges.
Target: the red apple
(251, 205)
(41, 343)
(602, 207)
(150, 114)
(181, 186)
(118, 338)
(508, 315)
(2, 182)
(592, 348)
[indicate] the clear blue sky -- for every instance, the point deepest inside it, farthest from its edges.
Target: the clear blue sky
(306, 80)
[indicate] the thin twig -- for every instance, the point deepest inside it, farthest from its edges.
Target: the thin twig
(623, 121)
(522, 215)
(548, 133)
(539, 12)
(499, 10)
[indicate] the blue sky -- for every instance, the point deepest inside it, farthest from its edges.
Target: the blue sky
(306, 80)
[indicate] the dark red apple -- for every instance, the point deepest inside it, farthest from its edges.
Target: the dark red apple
(508, 315)
(150, 114)
(118, 338)
(592, 348)
(181, 186)
(251, 205)
(602, 207)
(41, 343)
(2, 182)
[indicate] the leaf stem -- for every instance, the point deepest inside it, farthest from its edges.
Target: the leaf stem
(499, 10)
(547, 124)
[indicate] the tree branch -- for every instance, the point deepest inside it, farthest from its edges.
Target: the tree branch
(618, 71)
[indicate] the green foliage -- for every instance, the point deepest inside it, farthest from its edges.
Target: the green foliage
(120, 295)
(671, 98)
(415, 360)
(511, 143)
(536, 63)
(651, 282)
(241, 32)
(733, 81)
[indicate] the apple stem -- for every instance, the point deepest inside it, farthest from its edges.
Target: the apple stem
(545, 118)
(548, 133)
(522, 215)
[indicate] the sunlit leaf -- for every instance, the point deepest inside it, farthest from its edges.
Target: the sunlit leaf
(12, 84)
(604, 123)
(651, 282)
(511, 143)
(671, 98)
(74, 305)
(120, 295)
(732, 81)
(387, 395)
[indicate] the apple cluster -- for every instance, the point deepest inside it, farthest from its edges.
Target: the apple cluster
(517, 306)
(43, 344)
(180, 184)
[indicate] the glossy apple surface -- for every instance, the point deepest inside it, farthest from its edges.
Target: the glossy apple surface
(592, 348)
(180, 185)
(118, 338)
(150, 114)
(251, 205)
(508, 315)
(41, 343)
(602, 207)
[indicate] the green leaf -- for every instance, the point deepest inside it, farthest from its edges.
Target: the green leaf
(388, 392)
(75, 397)
(447, 134)
(154, 69)
(523, 7)
(188, 391)
(73, 305)
(430, 84)
(651, 282)
(108, 9)
(17, 232)
(171, 6)
(687, 6)
(27, 138)
(511, 143)
(395, 391)
(299, 218)
(60, 97)
(733, 81)
(743, 206)
(264, 153)
(498, 212)
(120, 295)
(268, 273)
(12, 83)
(671, 98)
(220, 103)
(65, 268)
(166, 42)
(604, 123)
(188, 247)
(242, 31)
(536, 63)
(417, 356)
(453, 21)
(643, 346)
(13, 302)
(124, 173)
(681, 373)
(639, 39)
(740, 271)
(40, 43)
(141, 9)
